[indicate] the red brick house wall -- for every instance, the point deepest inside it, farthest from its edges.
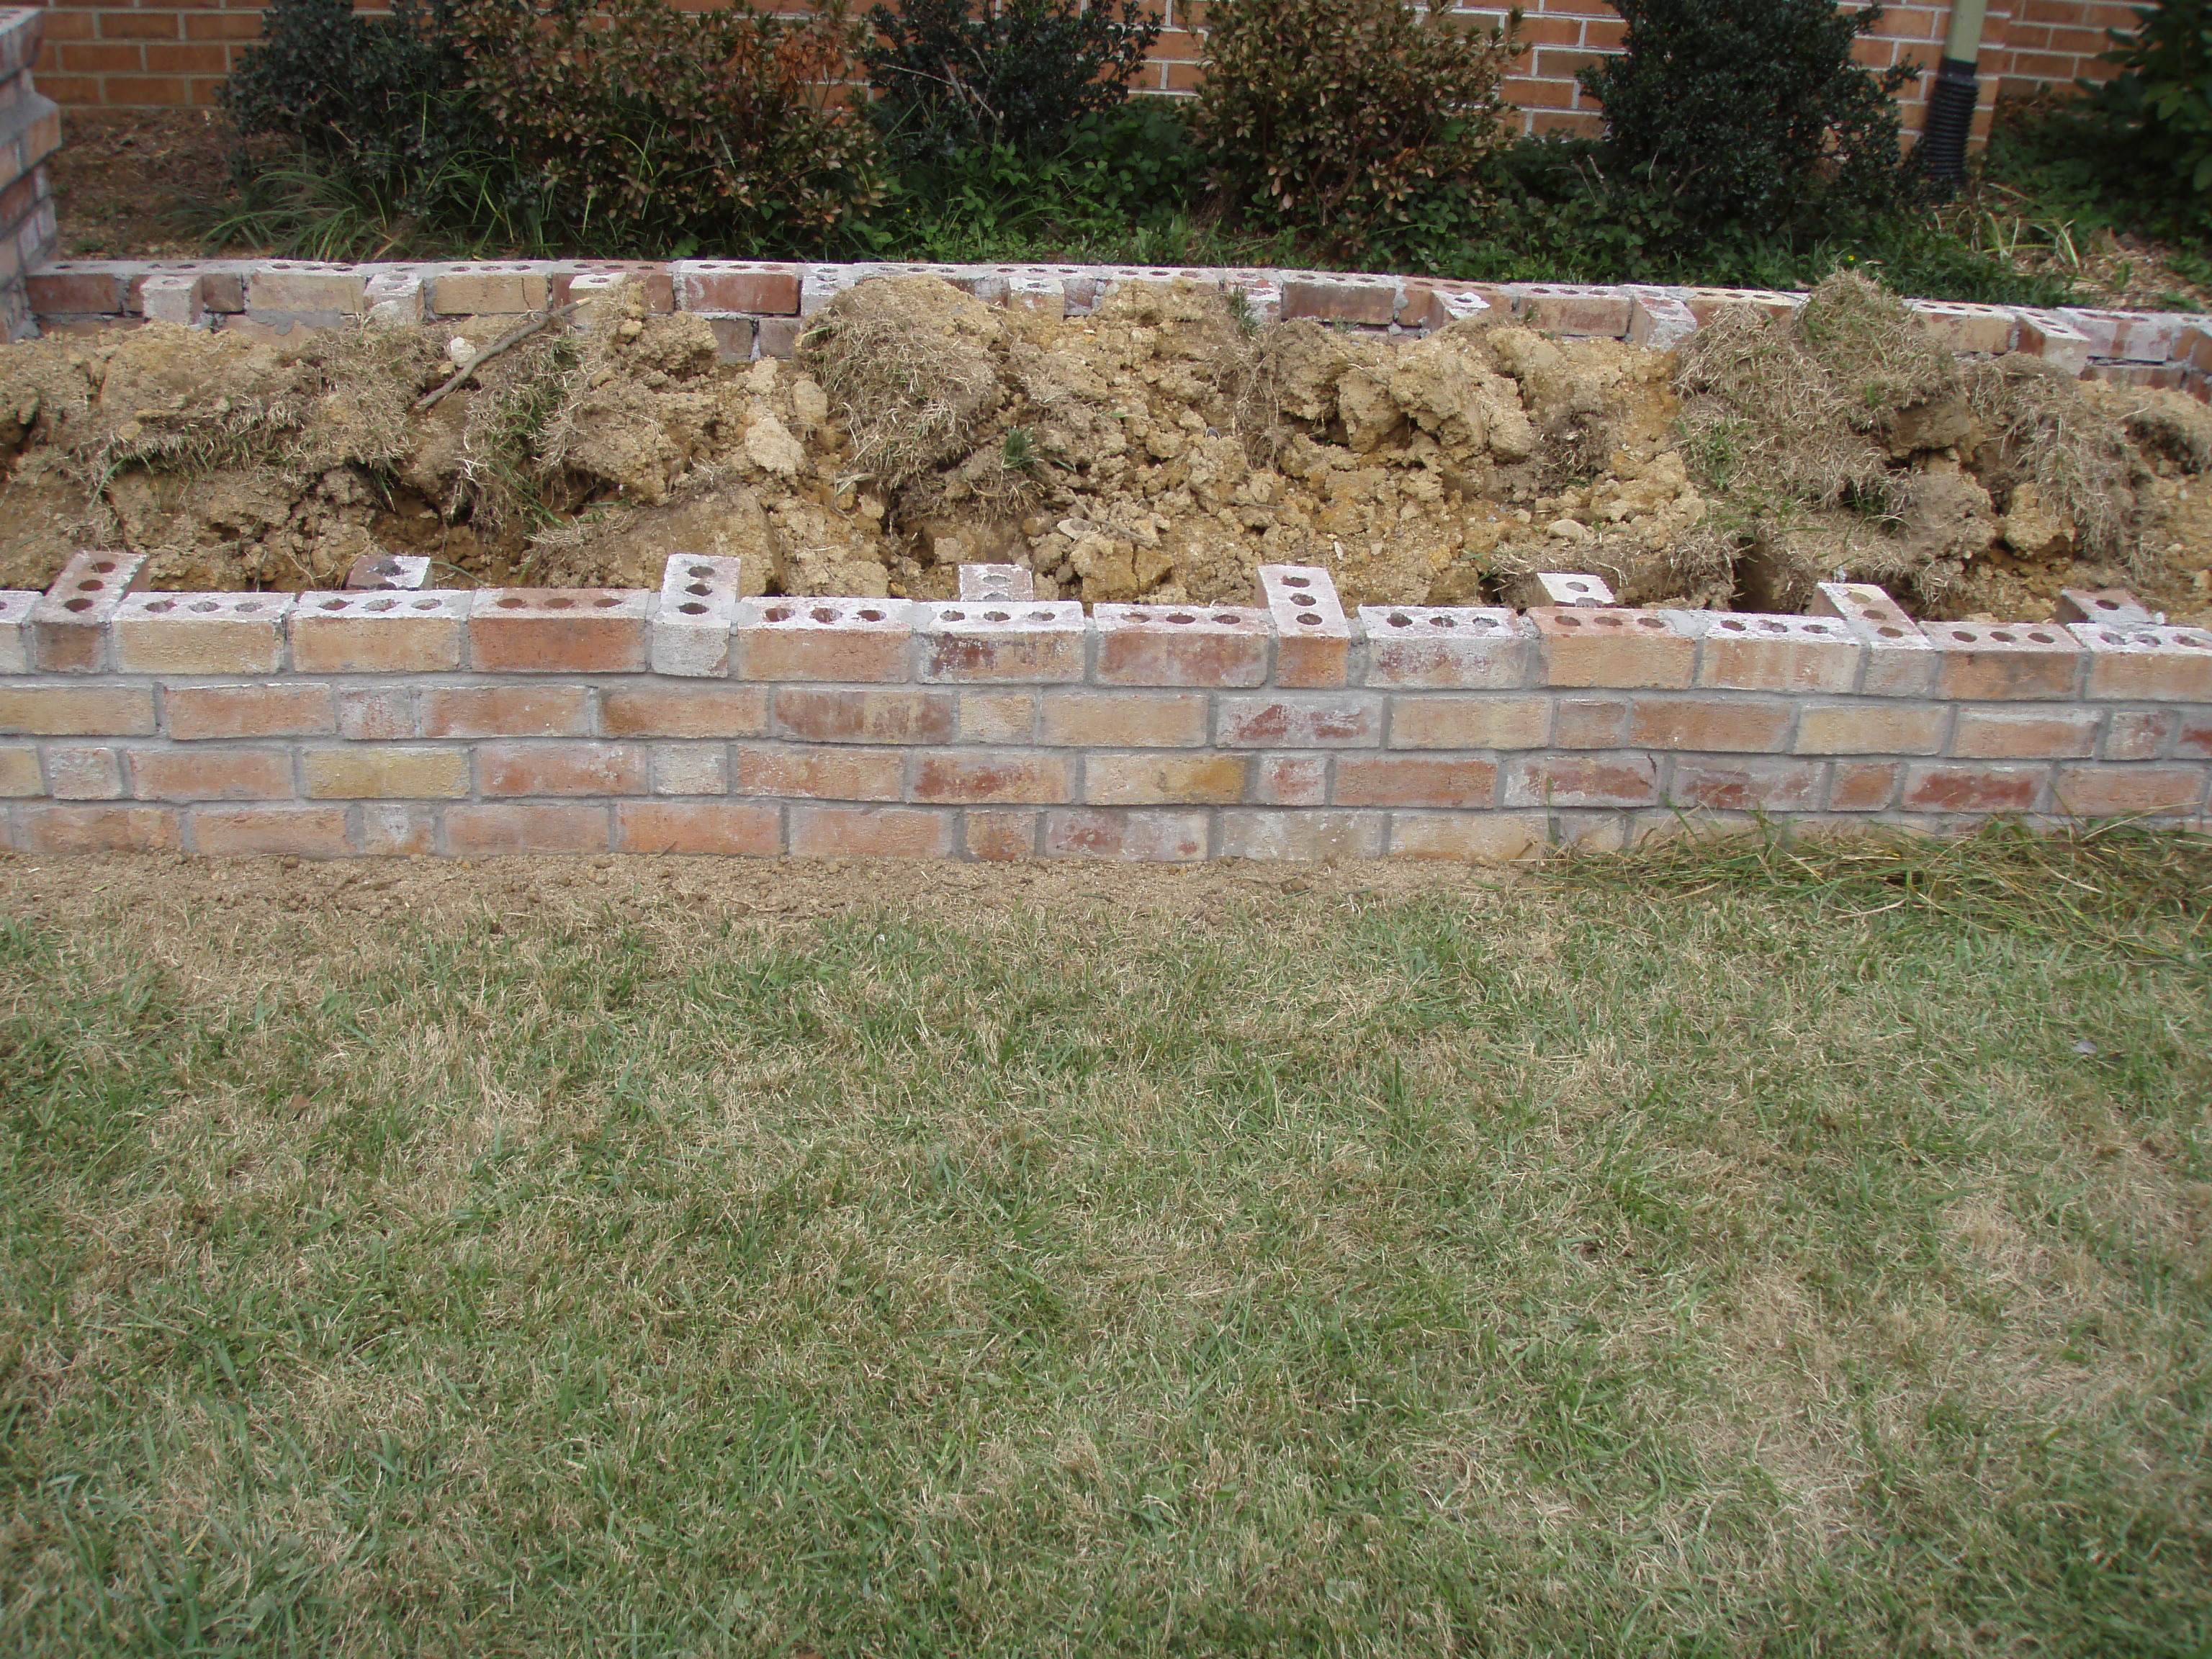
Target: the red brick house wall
(170, 53)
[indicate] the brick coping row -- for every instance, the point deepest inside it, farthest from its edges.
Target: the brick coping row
(691, 720)
(759, 306)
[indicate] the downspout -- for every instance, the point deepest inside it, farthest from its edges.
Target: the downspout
(1951, 103)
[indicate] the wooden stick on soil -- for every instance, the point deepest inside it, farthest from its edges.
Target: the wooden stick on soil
(513, 337)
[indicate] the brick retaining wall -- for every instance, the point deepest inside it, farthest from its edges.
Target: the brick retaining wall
(30, 132)
(689, 720)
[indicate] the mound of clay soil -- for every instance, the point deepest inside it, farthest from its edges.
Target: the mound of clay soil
(1159, 449)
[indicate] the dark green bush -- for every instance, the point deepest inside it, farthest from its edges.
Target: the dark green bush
(1017, 76)
(2163, 98)
(1752, 112)
(1337, 116)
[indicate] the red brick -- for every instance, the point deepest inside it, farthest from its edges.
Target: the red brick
(905, 716)
(544, 631)
(1156, 779)
(654, 277)
(490, 831)
(730, 285)
(1594, 779)
(1778, 653)
(506, 711)
(2138, 734)
(100, 829)
(1374, 301)
(58, 291)
(560, 769)
(1773, 785)
(378, 633)
(1181, 645)
(1411, 781)
(2119, 791)
(1000, 836)
(1007, 643)
(1997, 661)
(1864, 785)
(1937, 788)
(282, 710)
(212, 774)
(826, 773)
(1150, 837)
(307, 832)
(2025, 733)
(888, 832)
(702, 827)
(1723, 725)
(77, 711)
(706, 711)
(849, 640)
(1311, 720)
(1313, 641)
(1620, 648)
(2147, 664)
(1029, 779)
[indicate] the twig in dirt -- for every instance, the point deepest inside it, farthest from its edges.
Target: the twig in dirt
(513, 337)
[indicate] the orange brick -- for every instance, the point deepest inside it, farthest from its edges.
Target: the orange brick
(903, 716)
(1593, 779)
(490, 831)
(379, 633)
(100, 829)
(1870, 728)
(212, 774)
(1149, 837)
(851, 640)
(825, 773)
(1311, 720)
(1002, 777)
(2119, 791)
(546, 631)
(883, 832)
(2025, 733)
(1620, 649)
(504, 711)
(1864, 785)
(199, 712)
(560, 769)
(1771, 786)
(1995, 661)
(1129, 719)
(1181, 645)
(77, 711)
(1468, 838)
(1000, 836)
(1727, 724)
(1470, 722)
(376, 772)
(1415, 780)
(728, 828)
(703, 711)
(307, 832)
(1143, 780)
(1973, 788)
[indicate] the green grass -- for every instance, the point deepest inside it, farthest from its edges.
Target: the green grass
(1712, 1251)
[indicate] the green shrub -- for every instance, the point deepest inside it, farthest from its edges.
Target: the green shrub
(1752, 112)
(2163, 94)
(1018, 76)
(1338, 115)
(664, 131)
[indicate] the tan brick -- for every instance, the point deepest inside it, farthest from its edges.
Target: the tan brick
(212, 774)
(1468, 838)
(2002, 662)
(1181, 645)
(1445, 721)
(731, 828)
(1717, 724)
(560, 769)
(581, 630)
(2094, 792)
(486, 290)
(1770, 785)
(196, 712)
(1002, 777)
(1300, 835)
(858, 641)
(1147, 837)
(1943, 788)
(2025, 733)
(1589, 723)
(882, 832)
(1617, 648)
(19, 774)
(77, 711)
(1870, 728)
(997, 717)
(1291, 781)
(1000, 836)
(864, 716)
(1864, 785)
(99, 828)
(491, 831)
(1415, 780)
(373, 772)
(505, 711)
(2137, 734)
(417, 632)
(1591, 779)
(702, 711)
(827, 773)
(307, 832)
(377, 714)
(1301, 720)
(74, 773)
(690, 769)
(296, 285)
(1147, 780)
(1127, 719)
(199, 634)
(1900, 660)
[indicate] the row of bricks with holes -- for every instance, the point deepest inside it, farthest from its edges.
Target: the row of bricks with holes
(770, 298)
(697, 626)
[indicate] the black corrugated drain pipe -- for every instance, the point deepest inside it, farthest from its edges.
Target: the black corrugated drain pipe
(1942, 152)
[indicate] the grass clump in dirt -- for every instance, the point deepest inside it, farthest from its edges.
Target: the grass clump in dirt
(1758, 1248)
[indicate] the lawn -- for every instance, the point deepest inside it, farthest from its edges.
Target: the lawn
(1696, 1252)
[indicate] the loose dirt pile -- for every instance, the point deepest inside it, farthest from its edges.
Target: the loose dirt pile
(1157, 449)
